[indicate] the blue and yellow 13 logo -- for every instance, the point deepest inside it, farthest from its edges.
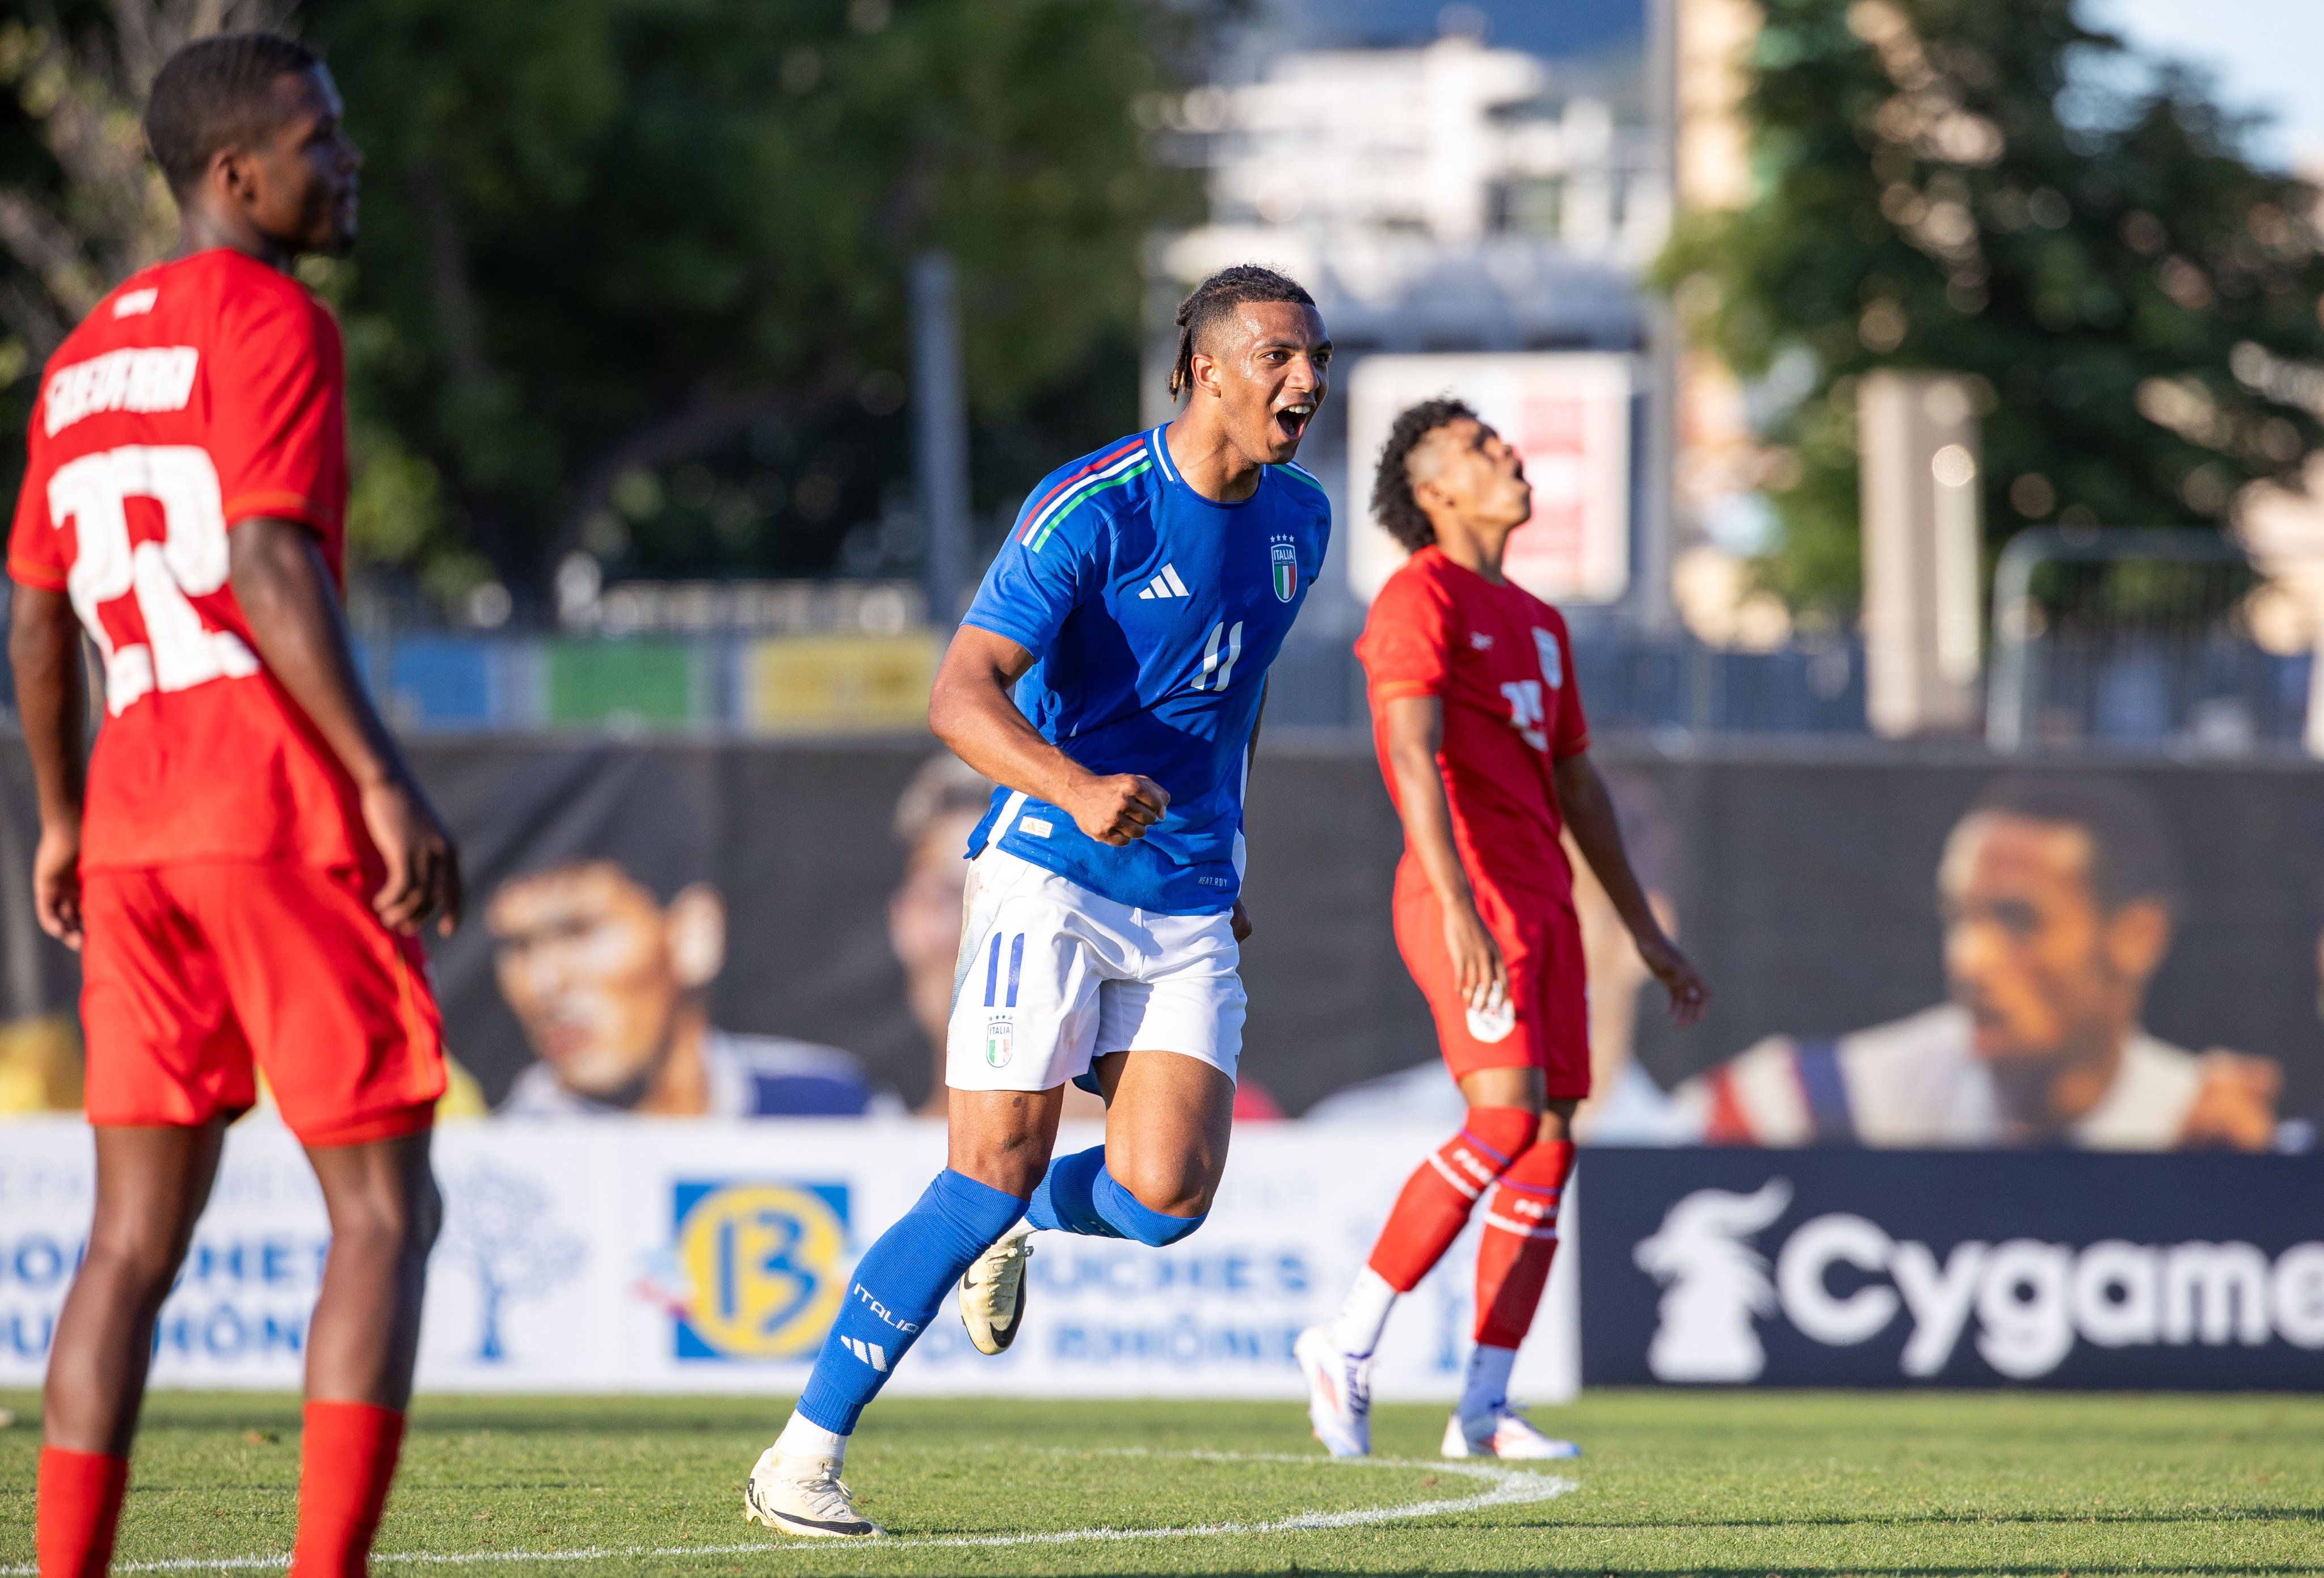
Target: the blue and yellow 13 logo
(763, 1264)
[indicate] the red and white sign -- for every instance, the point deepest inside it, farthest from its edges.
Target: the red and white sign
(1569, 416)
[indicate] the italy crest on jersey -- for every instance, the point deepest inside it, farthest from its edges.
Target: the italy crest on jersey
(1287, 570)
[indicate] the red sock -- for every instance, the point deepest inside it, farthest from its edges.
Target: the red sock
(1434, 1205)
(1520, 1240)
(78, 1508)
(346, 1460)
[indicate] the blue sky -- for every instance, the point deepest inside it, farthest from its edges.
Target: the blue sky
(2264, 54)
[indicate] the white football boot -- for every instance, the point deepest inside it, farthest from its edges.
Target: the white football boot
(1503, 1433)
(1338, 1393)
(803, 1495)
(992, 1291)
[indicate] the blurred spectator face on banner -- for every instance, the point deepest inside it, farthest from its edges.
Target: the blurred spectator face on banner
(938, 810)
(2050, 966)
(604, 978)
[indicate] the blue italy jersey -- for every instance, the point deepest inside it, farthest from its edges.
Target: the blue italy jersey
(1152, 614)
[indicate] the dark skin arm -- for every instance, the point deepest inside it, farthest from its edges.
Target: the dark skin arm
(1415, 731)
(1415, 727)
(971, 710)
(44, 652)
(295, 621)
(1241, 921)
(1589, 813)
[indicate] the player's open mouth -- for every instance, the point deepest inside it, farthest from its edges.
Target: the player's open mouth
(1291, 421)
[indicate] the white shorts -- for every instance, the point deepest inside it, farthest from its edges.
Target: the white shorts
(1052, 976)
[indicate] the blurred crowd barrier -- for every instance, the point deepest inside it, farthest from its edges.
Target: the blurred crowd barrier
(2206, 691)
(836, 682)
(1909, 947)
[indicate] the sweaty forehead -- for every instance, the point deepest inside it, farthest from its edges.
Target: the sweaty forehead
(1289, 322)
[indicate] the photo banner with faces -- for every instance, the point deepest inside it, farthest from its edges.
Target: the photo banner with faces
(665, 1256)
(1850, 903)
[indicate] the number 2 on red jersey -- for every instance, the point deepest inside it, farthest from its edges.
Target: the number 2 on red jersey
(135, 598)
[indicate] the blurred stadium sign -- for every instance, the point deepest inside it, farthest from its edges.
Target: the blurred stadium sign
(1856, 1268)
(839, 684)
(1923, 535)
(1569, 414)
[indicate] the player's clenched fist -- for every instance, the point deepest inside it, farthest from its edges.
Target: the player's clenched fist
(1119, 809)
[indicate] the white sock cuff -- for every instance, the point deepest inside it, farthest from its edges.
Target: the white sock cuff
(1487, 1387)
(1362, 1319)
(803, 1438)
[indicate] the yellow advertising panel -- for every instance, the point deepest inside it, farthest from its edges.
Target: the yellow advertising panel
(821, 685)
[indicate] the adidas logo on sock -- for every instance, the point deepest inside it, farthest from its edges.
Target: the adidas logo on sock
(871, 1354)
(1164, 585)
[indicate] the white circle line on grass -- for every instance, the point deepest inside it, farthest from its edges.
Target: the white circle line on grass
(1505, 1487)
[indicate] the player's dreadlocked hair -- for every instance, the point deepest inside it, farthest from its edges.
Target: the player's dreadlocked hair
(1217, 297)
(1393, 505)
(217, 93)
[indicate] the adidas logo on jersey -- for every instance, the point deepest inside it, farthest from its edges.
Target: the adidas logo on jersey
(871, 1354)
(1164, 585)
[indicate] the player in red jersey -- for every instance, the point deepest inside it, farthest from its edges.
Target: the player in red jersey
(1480, 735)
(247, 859)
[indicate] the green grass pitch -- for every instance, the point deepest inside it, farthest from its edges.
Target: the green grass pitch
(1726, 1483)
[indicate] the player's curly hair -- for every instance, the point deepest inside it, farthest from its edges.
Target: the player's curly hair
(217, 93)
(1393, 505)
(1219, 295)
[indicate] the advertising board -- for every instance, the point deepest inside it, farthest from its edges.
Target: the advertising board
(1568, 416)
(710, 1257)
(1846, 1267)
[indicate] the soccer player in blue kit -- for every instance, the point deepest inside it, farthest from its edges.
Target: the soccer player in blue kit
(1133, 612)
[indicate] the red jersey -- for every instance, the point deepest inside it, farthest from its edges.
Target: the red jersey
(1497, 658)
(200, 393)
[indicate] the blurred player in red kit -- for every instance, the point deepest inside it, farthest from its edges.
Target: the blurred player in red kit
(1479, 726)
(246, 861)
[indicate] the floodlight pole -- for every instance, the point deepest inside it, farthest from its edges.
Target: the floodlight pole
(940, 433)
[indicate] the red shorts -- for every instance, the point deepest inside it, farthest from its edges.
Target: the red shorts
(191, 973)
(1548, 1025)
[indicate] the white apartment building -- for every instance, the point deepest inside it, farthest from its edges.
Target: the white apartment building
(1449, 197)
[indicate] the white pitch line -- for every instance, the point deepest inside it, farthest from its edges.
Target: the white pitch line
(1509, 1487)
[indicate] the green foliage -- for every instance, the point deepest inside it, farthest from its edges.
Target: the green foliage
(1949, 184)
(666, 240)
(608, 238)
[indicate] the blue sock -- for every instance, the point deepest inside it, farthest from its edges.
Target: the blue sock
(1078, 1195)
(1123, 1210)
(1064, 1200)
(899, 1283)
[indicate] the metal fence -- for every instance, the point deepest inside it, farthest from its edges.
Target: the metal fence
(2135, 637)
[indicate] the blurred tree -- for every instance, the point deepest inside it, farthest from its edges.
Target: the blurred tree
(632, 272)
(81, 205)
(1987, 186)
